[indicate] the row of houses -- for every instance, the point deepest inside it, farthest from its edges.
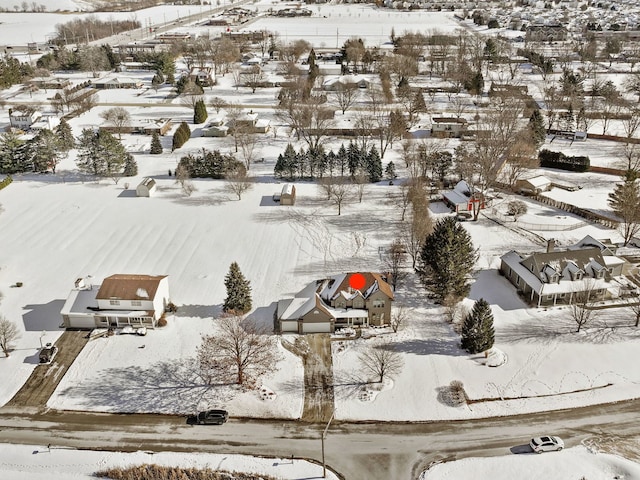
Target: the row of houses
(549, 278)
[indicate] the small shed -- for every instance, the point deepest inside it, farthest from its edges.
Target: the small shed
(534, 185)
(288, 194)
(146, 188)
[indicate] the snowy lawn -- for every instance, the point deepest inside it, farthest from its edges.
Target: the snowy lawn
(33, 462)
(579, 462)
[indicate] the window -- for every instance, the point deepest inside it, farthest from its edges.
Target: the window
(578, 275)
(136, 303)
(114, 302)
(378, 304)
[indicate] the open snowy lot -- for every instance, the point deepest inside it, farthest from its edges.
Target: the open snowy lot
(57, 228)
(579, 462)
(32, 462)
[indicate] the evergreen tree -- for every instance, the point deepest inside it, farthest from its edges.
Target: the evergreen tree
(354, 158)
(156, 146)
(446, 260)
(156, 81)
(238, 291)
(181, 136)
(286, 165)
(477, 329)
(441, 163)
(12, 149)
(44, 151)
(374, 165)
(390, 170)
(65, 136)
(536, 125)
(625, 201)
(130, 166)
(101, 154)
(200, 112)
(342, 159)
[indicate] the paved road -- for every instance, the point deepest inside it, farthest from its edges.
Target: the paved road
(357, 451)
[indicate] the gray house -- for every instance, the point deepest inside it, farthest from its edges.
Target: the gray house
(560, 276)
(332, 302)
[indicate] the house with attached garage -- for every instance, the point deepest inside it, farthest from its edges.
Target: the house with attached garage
(330, 303)
(563, 276)
(123, 299)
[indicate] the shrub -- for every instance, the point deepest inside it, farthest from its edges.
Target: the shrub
(162, 322)
(182, 135)
(457, 394)
(7, 180)
(561, 161)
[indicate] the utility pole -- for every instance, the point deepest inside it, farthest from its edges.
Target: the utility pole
(324, 434)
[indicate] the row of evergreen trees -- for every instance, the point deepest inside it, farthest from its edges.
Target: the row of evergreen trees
(103, 155)
(211, 165)
(316, 163)
(181, 136)
(42, 153)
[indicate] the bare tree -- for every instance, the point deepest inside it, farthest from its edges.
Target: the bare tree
(381, 361)
(630, 153)
(247, 141)
(118, 117)
(394, 261)
(633, 303)
(402, 199)
(360, 180)
(240, 348)
(238, 182)
(340, 191)
(415, 232)
(582, 301)
(399, 317)
(8, 334)
(234, 114)
(345, 95)
(254, 78)
(522, 157)
(184, 179)
(217, 103)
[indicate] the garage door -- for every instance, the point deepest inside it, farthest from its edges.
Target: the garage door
(289, 326)
(316, 327)
(81, 322)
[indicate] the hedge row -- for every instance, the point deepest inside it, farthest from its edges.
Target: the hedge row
(561, 161)
(7, 180)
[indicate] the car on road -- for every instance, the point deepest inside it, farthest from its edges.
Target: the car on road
(546, 444)
(212, 417)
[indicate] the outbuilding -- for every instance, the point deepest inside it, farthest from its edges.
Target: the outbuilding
(146, 188)
(288, 194)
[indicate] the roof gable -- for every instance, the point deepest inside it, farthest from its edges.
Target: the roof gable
(129, 287)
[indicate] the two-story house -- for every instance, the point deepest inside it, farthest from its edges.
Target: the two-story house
(330, 303)
(138, 300)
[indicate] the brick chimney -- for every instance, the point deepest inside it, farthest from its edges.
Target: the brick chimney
(551, 245)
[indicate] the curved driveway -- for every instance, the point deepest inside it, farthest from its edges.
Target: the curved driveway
(356, 451)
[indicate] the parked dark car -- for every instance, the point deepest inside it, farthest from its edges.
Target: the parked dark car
(212, 417)
(47, 353)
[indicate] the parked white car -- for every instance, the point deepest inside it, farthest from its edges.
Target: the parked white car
(546, 444)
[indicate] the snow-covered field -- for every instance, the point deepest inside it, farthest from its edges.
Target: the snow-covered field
(578, 463)
(57, 228)
(37, 462)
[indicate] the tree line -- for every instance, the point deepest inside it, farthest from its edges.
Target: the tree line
(352, 160)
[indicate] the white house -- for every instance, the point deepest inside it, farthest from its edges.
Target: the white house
(23, 119)
(123, 299)
(146, 187)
